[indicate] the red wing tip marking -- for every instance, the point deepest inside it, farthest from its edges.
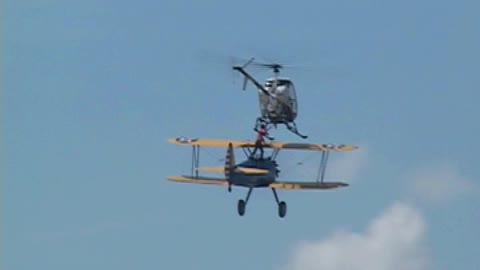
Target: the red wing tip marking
(185, 140)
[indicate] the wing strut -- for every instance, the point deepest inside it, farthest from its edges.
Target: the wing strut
(195, 159)
(322, 167)
(275, 153)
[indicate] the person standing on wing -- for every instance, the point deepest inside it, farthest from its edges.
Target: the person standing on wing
(261, 133)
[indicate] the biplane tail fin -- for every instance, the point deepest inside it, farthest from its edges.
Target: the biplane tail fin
(229, 161)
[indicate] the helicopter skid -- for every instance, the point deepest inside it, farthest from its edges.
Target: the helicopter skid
(295, 130)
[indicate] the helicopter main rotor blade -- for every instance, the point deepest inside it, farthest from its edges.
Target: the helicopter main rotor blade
(273, 65)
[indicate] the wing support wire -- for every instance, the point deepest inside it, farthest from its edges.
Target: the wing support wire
(247, 151)
(275, 153)
(322, 167)
(195, 160)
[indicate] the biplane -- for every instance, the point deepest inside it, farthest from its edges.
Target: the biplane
(256, 172)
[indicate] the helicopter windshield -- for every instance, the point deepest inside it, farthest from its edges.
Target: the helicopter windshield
(293, 98)
(280, 82)
(285, 94)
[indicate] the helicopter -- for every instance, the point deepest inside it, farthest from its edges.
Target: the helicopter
(277, 98)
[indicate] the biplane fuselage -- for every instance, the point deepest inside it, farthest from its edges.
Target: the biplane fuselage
(254, 179)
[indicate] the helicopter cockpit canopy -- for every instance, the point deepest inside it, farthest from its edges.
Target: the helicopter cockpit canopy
(280, 81)
(284, 97)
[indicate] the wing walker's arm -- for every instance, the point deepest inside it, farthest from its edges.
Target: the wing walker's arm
(266, 134)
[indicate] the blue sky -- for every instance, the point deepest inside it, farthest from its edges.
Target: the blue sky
(92, 90)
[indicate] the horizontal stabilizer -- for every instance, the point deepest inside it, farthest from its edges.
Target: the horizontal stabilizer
(211, 169)
(250, 170)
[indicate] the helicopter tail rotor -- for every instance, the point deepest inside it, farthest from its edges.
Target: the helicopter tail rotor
(245, 79)
(249, 62)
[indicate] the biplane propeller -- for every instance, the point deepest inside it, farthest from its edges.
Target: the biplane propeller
(255, 172)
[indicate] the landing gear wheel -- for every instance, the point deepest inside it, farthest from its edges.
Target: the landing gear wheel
(282, 209)
(241, 207)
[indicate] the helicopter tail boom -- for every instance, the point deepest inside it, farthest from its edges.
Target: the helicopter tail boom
(249, 77)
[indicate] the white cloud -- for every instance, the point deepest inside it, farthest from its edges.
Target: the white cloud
(347, 166)
(439, 183)
(392, 241)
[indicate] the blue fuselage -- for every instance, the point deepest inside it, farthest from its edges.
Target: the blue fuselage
(255, 180)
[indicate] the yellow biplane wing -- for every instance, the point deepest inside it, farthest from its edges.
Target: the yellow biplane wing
(277, 145)
(199, 180)
(250, 170)
(307, 185)
(238, 170)
(211, 169)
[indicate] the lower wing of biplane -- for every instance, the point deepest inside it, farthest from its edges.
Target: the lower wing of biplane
(241, 206)
(288, 185)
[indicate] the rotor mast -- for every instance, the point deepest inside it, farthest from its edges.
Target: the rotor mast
(276, 70)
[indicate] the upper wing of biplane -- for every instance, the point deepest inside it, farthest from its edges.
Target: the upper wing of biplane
(277, 145)
(199, 180)
(307, 185)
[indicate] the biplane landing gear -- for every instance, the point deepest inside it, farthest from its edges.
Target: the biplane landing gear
(282, 209)
(243, 203)
(241, 207)
(282, 206)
